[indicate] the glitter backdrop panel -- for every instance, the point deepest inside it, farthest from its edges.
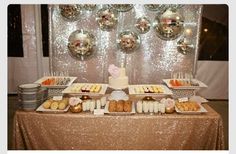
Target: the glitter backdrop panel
(154, 60)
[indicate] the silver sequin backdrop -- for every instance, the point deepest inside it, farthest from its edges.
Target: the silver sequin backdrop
(154, 60)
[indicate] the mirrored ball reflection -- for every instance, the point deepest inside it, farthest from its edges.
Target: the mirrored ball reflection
(143, 25)
(184, 46)
(107, 18)
(70, 12)
(128, 41)
(122, 7)
(169, 25)
(81, 44)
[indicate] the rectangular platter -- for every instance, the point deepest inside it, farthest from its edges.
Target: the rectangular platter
(86, 89)
(200, 84)
(200, 111)
(151, 90)
(71, 80)
(119, 113)
(41, 109)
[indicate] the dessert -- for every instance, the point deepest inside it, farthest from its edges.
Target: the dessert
(118, 78)
(47, 104)
(56, 81)
(127, 106)
(112, 106)
(56, 104)
(92, 88)
(148, 89)
(178, 82)
(120, 106)
(188, 106)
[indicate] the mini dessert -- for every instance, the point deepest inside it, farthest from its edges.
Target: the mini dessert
(112, 106)
(128, 106)
(54, 105)
(120, 106)
(47, 104)
(62, 106)
(188, 106)
(56, 81)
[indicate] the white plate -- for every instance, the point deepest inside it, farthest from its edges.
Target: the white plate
(202, 110)
(201, 85)
(119, 113)
(72, 79)
(68, 90)
(42, 109)
(166, 91)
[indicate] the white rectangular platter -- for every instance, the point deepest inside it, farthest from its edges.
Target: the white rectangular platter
(202, 110)
(165, 90)
(119, 113)
(72, 79)
(76, 88)
(42, 109)
(201, 84)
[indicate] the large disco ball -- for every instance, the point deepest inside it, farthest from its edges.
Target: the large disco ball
(169, 25)
(70, 12)
(128, 41)
(107, 18)
(81, 44)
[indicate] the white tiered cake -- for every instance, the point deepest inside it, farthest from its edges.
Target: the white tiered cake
(119, 80)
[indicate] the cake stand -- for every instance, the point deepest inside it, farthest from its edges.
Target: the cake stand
(118, 93)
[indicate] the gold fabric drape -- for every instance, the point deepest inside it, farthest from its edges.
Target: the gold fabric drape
(69, 131)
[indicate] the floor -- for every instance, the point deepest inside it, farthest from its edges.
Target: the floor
(220, 106)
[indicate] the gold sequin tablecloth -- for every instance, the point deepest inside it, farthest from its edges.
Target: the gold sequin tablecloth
(68, 131)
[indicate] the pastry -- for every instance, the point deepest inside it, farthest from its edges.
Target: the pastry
(120, 106)
(97, 88)
(54, 105)
(112, 106)
(47, 104)
(127, 106)
(61, 106)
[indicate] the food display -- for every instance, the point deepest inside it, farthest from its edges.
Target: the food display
(51, 105)
(188, 106)
(118, 78)
(56, 81)
(86, 88)
(149, 89)
(120, 107)
(184, 83)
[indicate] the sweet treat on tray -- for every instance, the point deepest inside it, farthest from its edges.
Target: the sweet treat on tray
(128, 106)
(112, 106)
(120, 106)
(188, 106)
(52, 81)
(118, 78)
(92, 88)
(148, 89)
(182, 82)
(56, 104)
(47, 104)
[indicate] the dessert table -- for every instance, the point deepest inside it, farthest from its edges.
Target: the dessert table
(85, 131)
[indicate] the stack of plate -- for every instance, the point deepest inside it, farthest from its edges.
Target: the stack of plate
(31, 95)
